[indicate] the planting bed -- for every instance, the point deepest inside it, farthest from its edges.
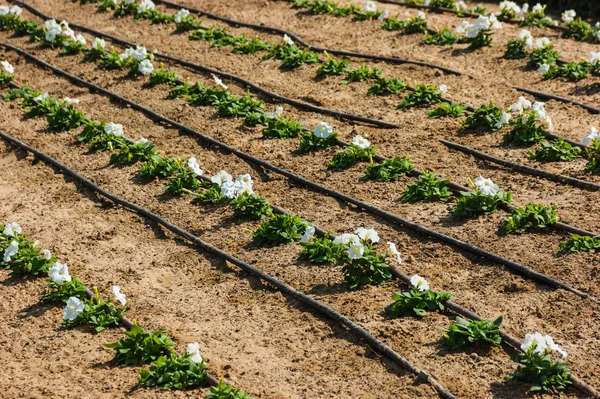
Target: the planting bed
(284, 327)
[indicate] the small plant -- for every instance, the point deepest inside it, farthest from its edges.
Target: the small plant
(208, 34)
(528, 129)
(528, 218)
(444, 37)
(98, 140)
(140, 346)
(183, 180)
(187, 23)
(418, 300)
(283, 128)
(389, 170)
(579, 30)
(59, 293)
(65, 118)
(23, 257)
(174, 372)
(251, 46)
(161, 167)
(351, 155)
(236, 106)
(291, 56)
(384, 86)
(579, 243)
(361, 74)
(593, 156)
(163, 76)
(333, 67)
(414, 25)
(224, 391)
(370, 268)
(251, 206)
(229, 40)
(442, 3)
(516, 49)
(447, 110)
(422, 95)
(322, 250)
(141, 150)
(310, 142)
(211, 196)
(543, 55)
(486, 197)
(97, 313)
(557, 150)
(573, 71)
(427, 188)
(186, 89)
(536, 367)
(392, 24)
(281, 229)
(488, 117)
(212, 96)
(465, 332)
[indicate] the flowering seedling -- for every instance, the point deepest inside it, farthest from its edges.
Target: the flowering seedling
(322, 137)
(579, 243)
(384, 86)
(224, 391)
(360, 150)
(444, 37)
(141, 150)
(60, 293)
(283, 128)
(537, 17)
(511, 10)
(447, 110)
(140, 346)
(479, 34)
(537, 369)
(281, 229)
(174, 372)
(251, 206)
(422, 95)
(529, 218)
(291, 55)
(544, 54)
(41, 106)
(362, 73)
(164, 76)
(21, 256)
(184, 22)
(486, 197)
(334, 67)
(418, 300)
(427, 188)
(370, 268)
(593, 155)
(100, 138)
(322, 250)
(26, 93)
(557, 150)
(488, 117)
(465, 332)
(368, 12)
(389, 170)
(106, 5)
(212, 195)
(10, 19)
(183, 181)
(211, 96)
(527, 129)
(97, 52)
(251, 46)
(6, 73)
(95, 312)
(161, 167)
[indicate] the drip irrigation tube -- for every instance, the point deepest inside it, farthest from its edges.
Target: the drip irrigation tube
(523, 168)
(235, 78)
(518, 268)
(372, 341)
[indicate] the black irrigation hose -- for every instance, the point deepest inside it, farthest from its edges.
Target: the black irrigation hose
(523, 168)
(372, 341)
(302, 42)
(315, 186)
(235, 78)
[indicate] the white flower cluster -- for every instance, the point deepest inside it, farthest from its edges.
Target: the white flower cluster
(15, 10)
(116, 129)
(370, 6)
(568, 16)
(230, 188)
(53, 29)
(287, 40)
(8, 68)
(538, 109)
(361, 142)
(181, 14)
(420, 15)
(419, 283)
(195, 166)
(486, 186)
(145, 5)
(512, 7)
(543, 344)
(594, 58)
(75, 306)
(355, 243)
(99, 44)
(140, 53)
(483, 23)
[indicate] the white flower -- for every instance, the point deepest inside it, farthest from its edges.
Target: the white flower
(12, 229)
(309, 232)
(233, 189)
(193, 350)
(528, 37)
(462, 28)
(11, 250)
(194, 166)
(145, 5)
(443, 89)
(41, 97)
(355, 250)
(383, 15)
(7, 67)
(4, 10)
(483, 22)
(16, 10)
(595, 57)
(361, 142)
(46, 254)
(287, 40)
(592, 135)
(472, 31)
(119, 296)
(346, 238)
(503, 120)
(486, 186)
(395, 252)
(370, 6)
(116, 129)
(542, 42)
(278, 111)
(540, 111)
(536, 339)
(80, 39)
(495, 23)
(244, 179)
(510, 6)
(543, 69)
(146, 67)
(71, 100)
(421, 15)
(550, 126)
(73, 308)
(419, 283)
(521, 104)
(140, 53)
(367, 234)
(181, 14)
(68, 32)
(52, 29)
(553, 346)
(228, 189)
(461, 5)
(59, 273)
(219, 82)
(141, 141)
(221, 177)
(536, 8)
(568, 16)
(323, 130)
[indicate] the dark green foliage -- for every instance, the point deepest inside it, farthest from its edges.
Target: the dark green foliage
(540, 372)
(417, 303)
(251, 46)
(384, 86)
(579, 243)
(251, 206)
(281, 229)
(98, 314)
(533, 216)
(573, 71)
(593, 155)
(211, 196)
(579, 30)
(486, 117)
(140, 346)
(525, 133)
(61, 292)
(557, 150)
(422, 95)
(161, 167)
(465, 332)
(350, 156)
(473, 203)
(224, 391)
(291, 56)
(135, 152)
(361, 74)
(174, 372)
(515, 50)
(322, 250)
(371, 268)
(543, 55)
(389, 170)
(163, 76)
(447, 110)
(282, 128)
(334, 67)
(184, 179)
(427, 188)
(444, 37)
(309, 142)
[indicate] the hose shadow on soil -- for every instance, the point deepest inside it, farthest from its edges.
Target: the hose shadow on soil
(586, 90)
